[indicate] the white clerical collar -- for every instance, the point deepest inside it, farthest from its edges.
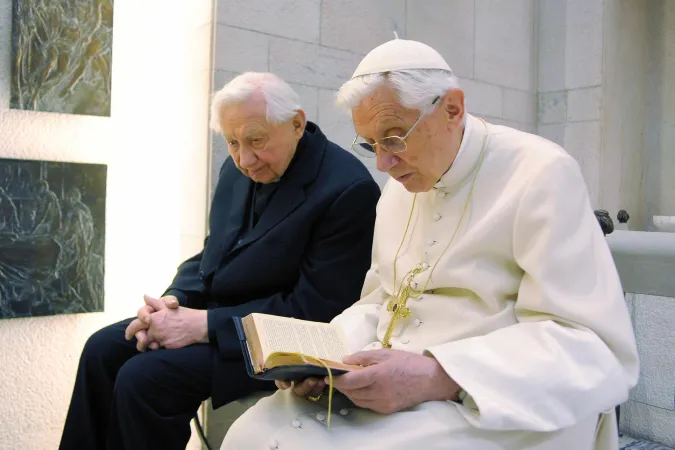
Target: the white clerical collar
(467, 156)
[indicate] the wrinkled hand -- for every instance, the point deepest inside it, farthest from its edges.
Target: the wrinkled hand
(308, 387)
(393, 380)
(139, 326)
(179, 327)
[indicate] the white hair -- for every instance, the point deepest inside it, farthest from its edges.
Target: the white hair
(282, 101)
(417, 89)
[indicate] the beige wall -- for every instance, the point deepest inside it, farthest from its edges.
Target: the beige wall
(155, 145)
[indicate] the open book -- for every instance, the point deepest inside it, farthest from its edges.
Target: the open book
(280, 348)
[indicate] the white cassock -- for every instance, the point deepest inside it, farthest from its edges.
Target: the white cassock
(524, 310)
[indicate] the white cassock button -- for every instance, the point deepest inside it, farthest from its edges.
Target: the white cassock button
(425, 266)
(442, 194)
(418, 322)
(274, 445)
(344, 411)
(296, 423)
(320, 417)
(413, 284)
(431, 242)
(437, 217)
(404, 341)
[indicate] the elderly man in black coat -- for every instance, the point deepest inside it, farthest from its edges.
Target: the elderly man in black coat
(291, 229)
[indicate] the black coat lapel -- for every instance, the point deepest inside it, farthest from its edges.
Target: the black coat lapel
(241, 191)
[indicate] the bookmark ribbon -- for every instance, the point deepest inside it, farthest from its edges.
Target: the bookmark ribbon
(330, 383)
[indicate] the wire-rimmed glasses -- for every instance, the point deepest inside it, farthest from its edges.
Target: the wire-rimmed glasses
(391, 144)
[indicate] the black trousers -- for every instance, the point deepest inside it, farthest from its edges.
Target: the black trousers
(124, 399)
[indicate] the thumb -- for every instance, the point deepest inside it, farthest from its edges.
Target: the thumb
(367, 358)
(153, 303)
(170, 301)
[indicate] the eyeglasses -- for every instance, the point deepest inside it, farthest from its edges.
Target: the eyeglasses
(391, 144)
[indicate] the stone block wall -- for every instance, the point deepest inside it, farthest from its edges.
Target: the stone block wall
(650, 411)
(316, 45)
(606, 73)
(570, 74)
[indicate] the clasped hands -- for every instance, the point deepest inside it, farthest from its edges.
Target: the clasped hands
(390, 381)
(164, 323)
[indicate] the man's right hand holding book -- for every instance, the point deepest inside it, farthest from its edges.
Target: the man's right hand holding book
(390, 381)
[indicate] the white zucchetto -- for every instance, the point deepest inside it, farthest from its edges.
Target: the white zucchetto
(400, 54)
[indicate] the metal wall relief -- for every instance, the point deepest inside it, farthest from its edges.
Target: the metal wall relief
(62, 56)
(52, 238)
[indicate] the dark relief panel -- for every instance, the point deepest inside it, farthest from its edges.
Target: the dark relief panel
(52, 238)
(62, 56)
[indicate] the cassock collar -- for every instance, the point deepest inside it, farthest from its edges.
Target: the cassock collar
(304, 166)
(467, 157)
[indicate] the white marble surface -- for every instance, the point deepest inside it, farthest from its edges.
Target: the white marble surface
(583, 43)
(552, 107)
(551, 33)
(311, 64)
(361, 25)
(426, 18)
(584, 104)
(294, 19)
(238, 50)
(504, 43)
(482, 98)
(664, 223)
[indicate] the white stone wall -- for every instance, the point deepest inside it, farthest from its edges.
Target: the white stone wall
(570, 35)
(316, 45)
(155, 145)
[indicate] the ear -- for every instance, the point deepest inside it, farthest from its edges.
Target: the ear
(299, 122)
(453, 107)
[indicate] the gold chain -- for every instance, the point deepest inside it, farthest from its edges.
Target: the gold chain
(397, 305)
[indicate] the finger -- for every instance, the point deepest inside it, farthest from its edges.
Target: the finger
(170, 301)
(356, 379)
(309, 386)
(154, 346)
(281, 384)
(144, 314)
(142, 340)
(135, 326)
(368, 357)
(155, 303)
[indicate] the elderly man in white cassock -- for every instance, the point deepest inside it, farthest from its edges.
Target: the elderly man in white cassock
(492, 316)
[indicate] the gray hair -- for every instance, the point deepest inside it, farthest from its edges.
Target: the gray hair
(416, 89)
(282, 101)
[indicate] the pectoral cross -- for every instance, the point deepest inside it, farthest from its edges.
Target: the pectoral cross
(398, 305)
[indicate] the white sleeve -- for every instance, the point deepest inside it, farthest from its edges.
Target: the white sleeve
(572, 353)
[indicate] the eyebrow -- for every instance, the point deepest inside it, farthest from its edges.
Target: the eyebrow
(388, 127)
(255, 132)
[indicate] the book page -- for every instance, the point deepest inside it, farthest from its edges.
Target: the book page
(281, 334)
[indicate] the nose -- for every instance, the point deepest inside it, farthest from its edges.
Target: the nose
(386, 161)
(247, 158)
